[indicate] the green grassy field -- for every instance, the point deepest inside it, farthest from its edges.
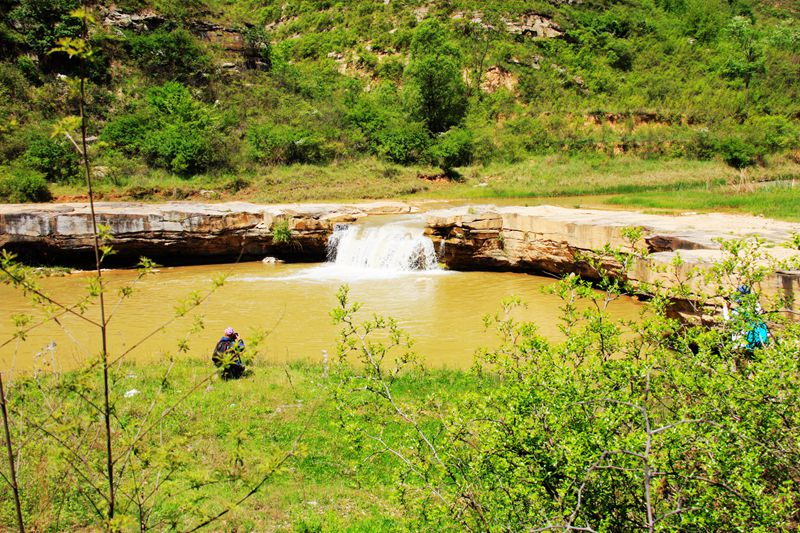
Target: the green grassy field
(780, 201)
(222, 440)
(624, 181)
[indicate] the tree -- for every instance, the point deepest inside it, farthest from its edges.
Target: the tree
(745, 56)
(171, 129)
(258, 50)
(42, 23)
(647, 424)
(434, 75)
(169, 55)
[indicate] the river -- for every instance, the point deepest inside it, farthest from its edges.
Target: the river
(391, 269)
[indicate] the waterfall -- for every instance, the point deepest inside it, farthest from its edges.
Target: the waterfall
(396, 246)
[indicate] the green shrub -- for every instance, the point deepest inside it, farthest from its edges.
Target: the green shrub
(19, 185)
(774, 133)
(181, 9)
(54, 158)
(282, 144)
(390, 68)
(171, 55)
(452, 149)
(701, 145)
(389, 130)
(13, 83)
(171, 129)
(257, 48)
(29, 69)
(42, 22)
(281, 232)
(737, 152)
(126, 131)
(402, 142)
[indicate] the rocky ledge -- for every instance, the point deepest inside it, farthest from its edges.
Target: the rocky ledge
(541, 239)
(179, 233)
(557, 240)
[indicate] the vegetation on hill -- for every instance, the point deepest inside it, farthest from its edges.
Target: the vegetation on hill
(223, 88)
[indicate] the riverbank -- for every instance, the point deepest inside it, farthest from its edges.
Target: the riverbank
(672, 185)
(298, 448)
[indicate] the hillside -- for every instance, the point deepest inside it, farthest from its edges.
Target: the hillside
(239, 95)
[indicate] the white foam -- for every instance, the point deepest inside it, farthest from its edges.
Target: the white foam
(396, 247)
(358, 253)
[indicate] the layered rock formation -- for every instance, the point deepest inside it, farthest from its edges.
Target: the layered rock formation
(178, 233)
(544, 239)
(557, 240)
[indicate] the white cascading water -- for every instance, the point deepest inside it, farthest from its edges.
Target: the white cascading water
(397, 246)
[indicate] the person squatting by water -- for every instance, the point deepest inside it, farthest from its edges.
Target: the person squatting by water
(228, 355)
(744, 308)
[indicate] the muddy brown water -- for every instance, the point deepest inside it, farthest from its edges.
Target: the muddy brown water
(441, 310)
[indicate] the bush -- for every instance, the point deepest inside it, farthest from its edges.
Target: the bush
(257, 48)
(55, 159)
(171, 129)
(452, 149)
(277, 144)
(19, 185)
(390, 132)
(170, 55)
(42, 22)
(615, 426)
(13, 84)
(774, 133)
(738, 153)
(402, 143)
(126, 131)
(701, 145)
(390, 68)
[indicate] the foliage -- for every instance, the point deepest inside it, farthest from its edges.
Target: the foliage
(402, 143)
(169, 54)
(282, 144)
(281, 232)
(390, 132)
(18, 185)
(625, 424)
(171, 129)
(259, 50)
(452, 149)
(220, 447)
(662, 80)
(746, 59)
(181, 10)
(43, 22)
(55, 158)
(434, 73)
(737, 152)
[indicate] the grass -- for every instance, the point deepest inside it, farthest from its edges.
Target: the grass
(362, 179)
(626, 181)
(224, 438)
(777, 201)
(578, 176)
